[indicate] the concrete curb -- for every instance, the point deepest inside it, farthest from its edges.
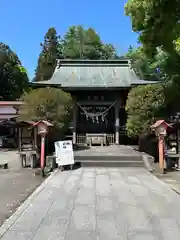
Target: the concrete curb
(148, 161)
(10, 221)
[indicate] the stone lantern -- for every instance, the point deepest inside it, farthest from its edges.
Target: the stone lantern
(160, 129)
(43, 128)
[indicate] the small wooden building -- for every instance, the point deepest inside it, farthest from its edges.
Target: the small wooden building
(99, 89)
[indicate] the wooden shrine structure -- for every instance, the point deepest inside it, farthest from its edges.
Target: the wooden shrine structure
(99, 89)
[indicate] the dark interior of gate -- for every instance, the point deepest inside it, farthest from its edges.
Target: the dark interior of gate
(96, 114)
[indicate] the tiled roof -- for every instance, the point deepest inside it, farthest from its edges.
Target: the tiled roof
(94, 73)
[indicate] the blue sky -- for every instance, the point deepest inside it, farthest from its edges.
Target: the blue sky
(24, 23)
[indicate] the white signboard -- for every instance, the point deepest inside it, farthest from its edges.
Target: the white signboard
(64, 153)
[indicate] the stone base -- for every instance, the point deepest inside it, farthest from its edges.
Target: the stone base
(4, 165)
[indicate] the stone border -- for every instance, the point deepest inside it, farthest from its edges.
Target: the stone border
(19, 211)
(148, 161)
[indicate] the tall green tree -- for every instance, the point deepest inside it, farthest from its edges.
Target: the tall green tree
(144, 105)
(51, 51)
(13, 76)
(50, 104)
(158, 24)
(156, 21)
(80, 43)
(148, 68)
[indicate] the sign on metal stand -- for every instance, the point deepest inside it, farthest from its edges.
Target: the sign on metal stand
(64, 153)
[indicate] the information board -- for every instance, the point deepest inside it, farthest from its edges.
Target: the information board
(64, 153)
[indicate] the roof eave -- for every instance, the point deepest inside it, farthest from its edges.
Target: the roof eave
(72, 88)
(44, 84)
(144, 82)
(62, 62)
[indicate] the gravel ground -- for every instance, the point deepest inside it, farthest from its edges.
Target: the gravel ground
(16, 184)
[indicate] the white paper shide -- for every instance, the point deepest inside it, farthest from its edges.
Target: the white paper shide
(64, 153)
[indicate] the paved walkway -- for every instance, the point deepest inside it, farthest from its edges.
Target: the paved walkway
(107, 204)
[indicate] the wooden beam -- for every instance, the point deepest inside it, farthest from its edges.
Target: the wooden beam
(95, 103)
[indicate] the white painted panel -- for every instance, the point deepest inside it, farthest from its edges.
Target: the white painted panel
(7, 110)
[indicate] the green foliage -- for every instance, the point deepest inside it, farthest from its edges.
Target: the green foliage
(144, 105)
(50, 104)
(141, 64)
(149, 68)
(51, 51)
(80, 43)
(156, 21)
(177, 45)
(13, 76)
(158, 24)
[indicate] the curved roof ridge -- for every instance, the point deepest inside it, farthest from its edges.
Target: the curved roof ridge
(81, 62)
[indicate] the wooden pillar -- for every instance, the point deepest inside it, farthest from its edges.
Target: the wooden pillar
(35, 137)
(117, 107)
(178, 144)
(20, 137)
(161, 153)
(74, 123)
(178, 140)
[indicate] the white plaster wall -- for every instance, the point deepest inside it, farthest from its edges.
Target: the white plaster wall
(7, 110)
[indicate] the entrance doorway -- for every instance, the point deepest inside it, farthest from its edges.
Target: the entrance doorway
(95, 119)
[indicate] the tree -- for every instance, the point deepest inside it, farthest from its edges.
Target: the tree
(13, 76)
(80, 43)
(51, 51)
(108, 51)
(50, 104)
(158, 25)
(141, 64)
(148, 68)
(144, 105)
(72, 44)
(156, 21)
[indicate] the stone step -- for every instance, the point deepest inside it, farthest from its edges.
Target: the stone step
(92, 163)
(108, 158)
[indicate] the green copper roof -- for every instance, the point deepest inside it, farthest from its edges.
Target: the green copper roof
(94, 73)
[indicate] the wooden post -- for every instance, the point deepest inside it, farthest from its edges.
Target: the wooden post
(161, 153)
(35, 138)
(74, 123)
(20, 137)
(178, 144)
(117, 106)
(42, 153)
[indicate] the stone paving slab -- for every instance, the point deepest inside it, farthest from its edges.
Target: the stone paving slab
(112, 150)
(95, 204)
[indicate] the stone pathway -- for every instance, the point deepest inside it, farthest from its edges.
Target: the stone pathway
(92, 203)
